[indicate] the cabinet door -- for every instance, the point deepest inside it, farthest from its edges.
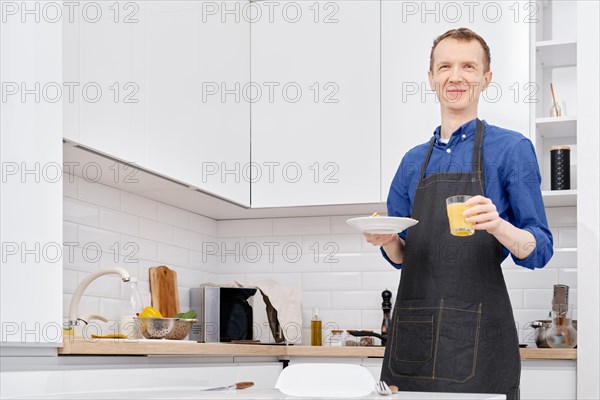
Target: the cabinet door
(315, 110)
(31, 186)
(409, 110)
(106, 90)
(196, 59)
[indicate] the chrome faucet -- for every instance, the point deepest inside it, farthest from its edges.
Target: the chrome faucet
(73, 308)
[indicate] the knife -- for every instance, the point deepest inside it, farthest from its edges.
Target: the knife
(239, 385)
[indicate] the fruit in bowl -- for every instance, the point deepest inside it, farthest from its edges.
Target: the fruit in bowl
(157, 327)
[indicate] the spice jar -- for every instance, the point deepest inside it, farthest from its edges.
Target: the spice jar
(336, 340)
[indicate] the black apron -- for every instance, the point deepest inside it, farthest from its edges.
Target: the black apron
(452, 327)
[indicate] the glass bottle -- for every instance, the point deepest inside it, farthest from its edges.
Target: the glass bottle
(316, 330)
(132, 306)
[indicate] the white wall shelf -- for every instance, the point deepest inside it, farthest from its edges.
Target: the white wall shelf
(559, 198)
(553, 53)
(557, 127)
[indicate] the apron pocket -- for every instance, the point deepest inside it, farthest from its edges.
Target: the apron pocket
(412, 343)
(457, 342)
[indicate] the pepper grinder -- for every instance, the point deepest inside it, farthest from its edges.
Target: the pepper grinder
(386, 306)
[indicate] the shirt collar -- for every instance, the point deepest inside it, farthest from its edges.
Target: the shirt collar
(464, 132)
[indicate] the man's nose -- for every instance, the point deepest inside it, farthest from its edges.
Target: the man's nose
(456, 75)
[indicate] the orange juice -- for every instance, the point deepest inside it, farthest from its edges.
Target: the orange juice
(458, 225)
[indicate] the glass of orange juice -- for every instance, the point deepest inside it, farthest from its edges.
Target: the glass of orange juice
(458, 226)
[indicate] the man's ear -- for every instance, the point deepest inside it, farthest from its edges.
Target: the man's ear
(487, 78)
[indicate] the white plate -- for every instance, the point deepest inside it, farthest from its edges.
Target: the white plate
(382, 225)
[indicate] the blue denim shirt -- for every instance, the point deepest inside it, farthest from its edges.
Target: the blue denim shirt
(512, 181)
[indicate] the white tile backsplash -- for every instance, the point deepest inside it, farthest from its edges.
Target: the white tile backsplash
(138, 205)
(173, 216)
(70, 185)
(331, 281)
(302, 226)
(245, 227)
(344, 279)
(530, 279)
(339, 225)
(568, 276)
(99, 194)
(356, 299)
(81, 213)
(537, 298)
(118, 221)
(172, 254)
(321, 300)
(202, 224)
(135, 248)
(106, 240)
(155, 230)
(331, 244)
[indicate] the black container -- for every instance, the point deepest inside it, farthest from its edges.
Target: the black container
(560, 168)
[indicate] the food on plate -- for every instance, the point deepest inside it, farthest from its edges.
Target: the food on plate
(375, 214)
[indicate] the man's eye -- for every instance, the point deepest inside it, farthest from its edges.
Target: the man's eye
(470, 66)
(443, 66)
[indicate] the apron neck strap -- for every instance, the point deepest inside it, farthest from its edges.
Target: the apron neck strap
(477, 163)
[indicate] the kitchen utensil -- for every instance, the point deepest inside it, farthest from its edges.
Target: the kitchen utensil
(383, 338)
(238, 386)
(164, 290)
(555, 110)
(383, 389)
(381, 225)
(165, 328)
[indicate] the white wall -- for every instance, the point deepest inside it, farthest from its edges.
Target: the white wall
(344, 281)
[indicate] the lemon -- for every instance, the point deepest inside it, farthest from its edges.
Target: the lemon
(150, 312)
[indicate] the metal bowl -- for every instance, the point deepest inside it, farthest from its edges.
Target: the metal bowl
(166, 328)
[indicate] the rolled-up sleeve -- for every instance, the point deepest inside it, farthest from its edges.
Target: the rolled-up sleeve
(522, 184)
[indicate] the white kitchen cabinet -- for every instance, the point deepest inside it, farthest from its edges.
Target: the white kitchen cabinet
(197, 62)
(409, 109)
(315, 106)
(105, 88)
(164, 70)
(556, 379)
(31, 185)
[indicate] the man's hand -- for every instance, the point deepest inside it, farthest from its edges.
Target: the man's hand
(381, 239)
(483, 213)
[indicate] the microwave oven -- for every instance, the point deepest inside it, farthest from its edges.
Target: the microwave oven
(224, 313)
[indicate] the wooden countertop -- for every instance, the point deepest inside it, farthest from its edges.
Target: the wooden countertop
(185, 347)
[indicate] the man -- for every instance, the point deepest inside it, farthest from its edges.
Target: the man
(453, 328)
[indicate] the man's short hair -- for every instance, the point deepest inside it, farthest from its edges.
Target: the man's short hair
(465, 35)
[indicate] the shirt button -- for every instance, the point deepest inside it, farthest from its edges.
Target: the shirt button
(448, 151)
(464, 136)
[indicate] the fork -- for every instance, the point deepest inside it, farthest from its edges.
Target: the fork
(383, 389)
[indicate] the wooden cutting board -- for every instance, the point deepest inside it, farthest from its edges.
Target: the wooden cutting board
(163, 288)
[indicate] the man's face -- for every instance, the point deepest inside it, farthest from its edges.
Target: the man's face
(458, 75)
